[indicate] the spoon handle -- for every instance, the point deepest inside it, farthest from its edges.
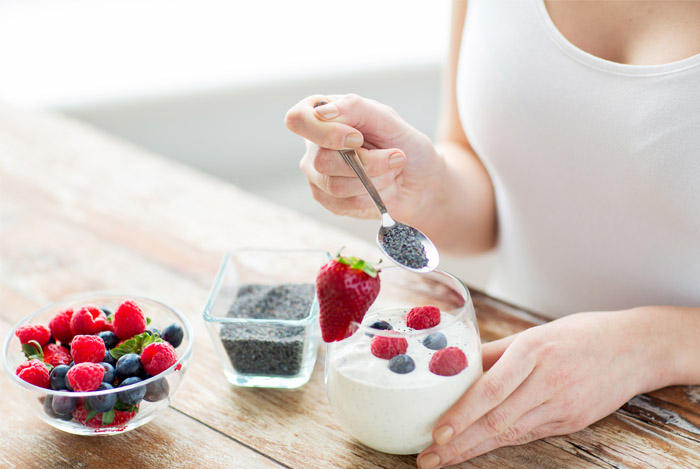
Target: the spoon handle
(351, 158)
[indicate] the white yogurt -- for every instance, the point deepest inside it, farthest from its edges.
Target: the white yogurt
(391, 412)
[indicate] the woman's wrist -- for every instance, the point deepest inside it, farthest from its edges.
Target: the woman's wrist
(668, 343)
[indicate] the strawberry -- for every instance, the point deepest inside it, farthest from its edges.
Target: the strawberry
(34, 372)
(88, 320)
(388, 347)
(128, 320)
(158, 357)
(448, 361)
(37, 332)
(423, 317)
(60, 326)
(92, 419)
(55, 355)
(346, 287)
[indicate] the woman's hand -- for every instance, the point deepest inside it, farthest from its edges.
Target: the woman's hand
(549, 380)
(400, 160)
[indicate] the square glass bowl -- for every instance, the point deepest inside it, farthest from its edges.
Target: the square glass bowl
(262, 315)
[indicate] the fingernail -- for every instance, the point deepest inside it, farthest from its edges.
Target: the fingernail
(353, 140)
(328, 111)
(443, 434)
(396, 160)
(429, 461)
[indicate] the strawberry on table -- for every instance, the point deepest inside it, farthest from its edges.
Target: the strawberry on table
(346, 287)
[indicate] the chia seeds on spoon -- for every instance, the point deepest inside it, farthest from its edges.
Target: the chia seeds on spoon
(268, 349)
(402, 245)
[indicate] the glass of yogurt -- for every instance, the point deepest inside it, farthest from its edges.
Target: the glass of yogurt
(389, 382)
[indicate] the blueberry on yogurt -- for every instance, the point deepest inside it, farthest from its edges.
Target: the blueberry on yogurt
(435, 341)
(380, 325)
(402, 364)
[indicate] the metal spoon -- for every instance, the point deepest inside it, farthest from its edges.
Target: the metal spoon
(403, 244)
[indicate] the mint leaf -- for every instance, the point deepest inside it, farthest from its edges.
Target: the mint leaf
(108, 417)
(134, 345)
(32, 349)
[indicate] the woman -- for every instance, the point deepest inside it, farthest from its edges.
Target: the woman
(569, 141)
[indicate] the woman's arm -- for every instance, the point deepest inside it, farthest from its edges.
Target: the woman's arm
(442, 189)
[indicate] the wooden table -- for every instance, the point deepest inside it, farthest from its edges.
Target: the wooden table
(81, 211)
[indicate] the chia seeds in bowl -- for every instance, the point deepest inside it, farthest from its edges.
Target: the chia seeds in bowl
(402, 245)
(271, 349)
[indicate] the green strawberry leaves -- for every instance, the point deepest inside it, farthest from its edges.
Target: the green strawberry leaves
(358, 264)
(135, 345)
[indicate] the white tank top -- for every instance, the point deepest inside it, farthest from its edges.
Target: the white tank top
(595, 165)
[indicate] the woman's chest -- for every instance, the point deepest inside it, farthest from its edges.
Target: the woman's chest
(631, 32)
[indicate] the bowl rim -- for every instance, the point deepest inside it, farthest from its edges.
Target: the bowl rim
(184, 358)
(226, 263)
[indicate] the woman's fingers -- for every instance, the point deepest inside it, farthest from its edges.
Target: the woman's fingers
(507, 422)
(343, 122)
(492, 351)
(376, 162)
(506, 375)
(534, 425)
(304, 120)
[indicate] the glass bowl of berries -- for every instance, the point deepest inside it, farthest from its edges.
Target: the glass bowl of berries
(414, 353)
(100, 363)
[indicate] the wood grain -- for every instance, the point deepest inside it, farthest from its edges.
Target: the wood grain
(82, 211)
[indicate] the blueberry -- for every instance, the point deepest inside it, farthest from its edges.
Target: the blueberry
(435, 341)
(57, 378)
(402, 364)
(153, 331)
(107, 311)
(110, 374)
(109, 358)
(103, 402)
(381, 325)
(132, 396)
(48, 407)
(109, 338)
(173, 334)
(63, 405)
(128, 365)
(157, 390)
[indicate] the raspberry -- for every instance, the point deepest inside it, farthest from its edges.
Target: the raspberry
(37, 332)
(448, 361)
(88, 320)
(87, 348)
(121, 417)
(388, 347)
(55, 355)
(85, 376)
(423, 317)
(60, 326)
(34, 372)
(128, 320)
(158, 357)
